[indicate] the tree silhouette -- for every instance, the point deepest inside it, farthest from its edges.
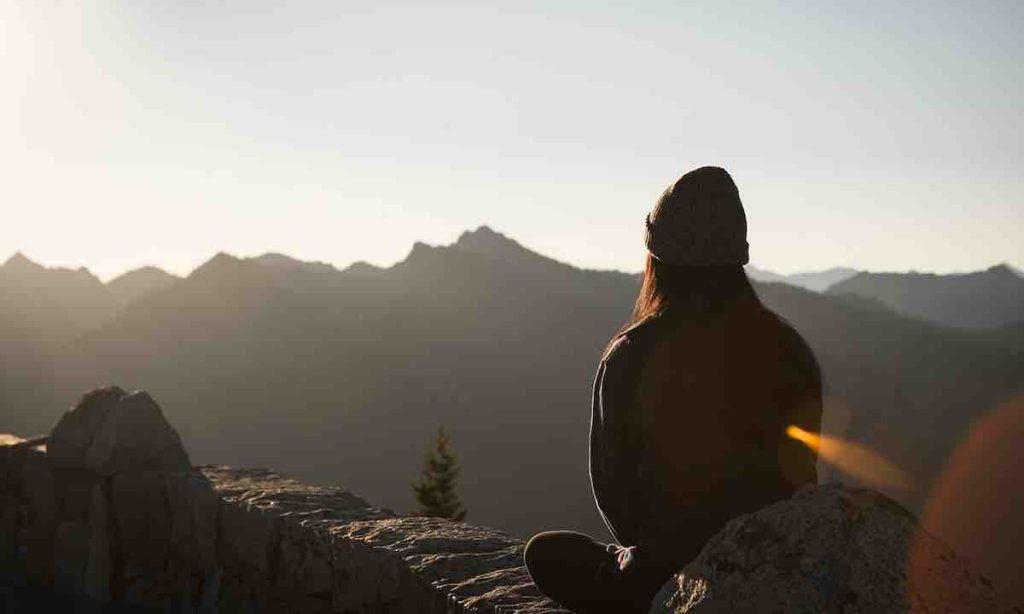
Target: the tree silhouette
(435, 491)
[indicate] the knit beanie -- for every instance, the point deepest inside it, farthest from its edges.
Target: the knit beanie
(699, 220)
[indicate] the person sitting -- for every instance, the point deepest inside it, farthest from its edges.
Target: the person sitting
(691, 404)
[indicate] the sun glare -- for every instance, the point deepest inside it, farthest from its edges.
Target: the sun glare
(853, 459)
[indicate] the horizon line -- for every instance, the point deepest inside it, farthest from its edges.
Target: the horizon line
(484, 227)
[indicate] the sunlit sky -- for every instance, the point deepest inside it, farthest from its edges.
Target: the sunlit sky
(885, 136)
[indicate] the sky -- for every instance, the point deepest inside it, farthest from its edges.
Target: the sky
(878, 135)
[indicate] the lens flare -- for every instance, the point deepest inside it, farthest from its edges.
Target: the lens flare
(853, 459)
(975, 504)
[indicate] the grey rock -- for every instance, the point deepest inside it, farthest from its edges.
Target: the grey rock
(36, 531)
(8, 534)
(143, 521)
(193, 506)
(77, 428)
(134, 436)
(375, 561)
(98, 568)
(248, 534)
(73, 490)
(473, 568)
(827, 549)
(37, 481)
(117, 516)
(71, 551)
(306, 562)
(209, 595)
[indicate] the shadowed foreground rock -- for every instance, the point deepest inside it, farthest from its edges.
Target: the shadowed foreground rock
(828, 549)
(109, 515)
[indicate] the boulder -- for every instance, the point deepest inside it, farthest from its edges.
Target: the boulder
(99, 566)
(827, 549)
(35, 535)
(8, 530)
(75, 431)
(129, 510)
(193, 508)
(143, 520)
(135, 436)
(70, 554)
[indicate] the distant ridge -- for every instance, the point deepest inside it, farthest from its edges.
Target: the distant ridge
(818, 281)
(986, 299)
(42, 302)
(362, 268)
(19, 261)
(280, 261)
(19, 264)
(485, 241)
(129, 286)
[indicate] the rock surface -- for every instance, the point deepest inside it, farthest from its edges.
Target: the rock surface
(827, 549)
(110, 514)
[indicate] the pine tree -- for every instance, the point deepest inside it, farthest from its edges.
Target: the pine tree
(435, 491)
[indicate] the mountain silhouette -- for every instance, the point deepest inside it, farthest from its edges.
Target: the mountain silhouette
(980, 300)
(131, 285)
(343, 376)
(44, 313)
(813, 280)
(71, 299)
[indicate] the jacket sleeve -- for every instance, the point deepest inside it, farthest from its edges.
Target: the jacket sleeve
(615, 446)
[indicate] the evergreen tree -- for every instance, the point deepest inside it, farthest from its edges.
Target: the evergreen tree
(435, 491)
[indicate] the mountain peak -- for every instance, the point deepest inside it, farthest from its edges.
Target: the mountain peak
(20, 261)
(143, 272)
(491, 244)
(488, 242)
(22, 266)
(275, 258)
(484, 238)
(362, 268)
(221, 263)
(1004, 270)
(135, 283)
(282, 262)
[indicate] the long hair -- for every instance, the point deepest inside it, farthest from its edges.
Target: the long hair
(697, 290)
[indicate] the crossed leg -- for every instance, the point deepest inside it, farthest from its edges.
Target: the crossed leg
(582, 574)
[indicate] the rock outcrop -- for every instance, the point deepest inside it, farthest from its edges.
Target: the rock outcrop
(109, 512)
(827, 549)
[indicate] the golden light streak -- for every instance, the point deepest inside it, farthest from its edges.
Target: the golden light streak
(7, 440)
(853, 459)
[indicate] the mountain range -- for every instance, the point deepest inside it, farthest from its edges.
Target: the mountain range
(818, 281)
(342, 376)
(979, 300)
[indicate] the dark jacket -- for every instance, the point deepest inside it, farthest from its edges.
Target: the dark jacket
(688, 428)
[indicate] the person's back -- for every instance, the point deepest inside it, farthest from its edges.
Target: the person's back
(691, 405)
(714, 398)
(695, 399)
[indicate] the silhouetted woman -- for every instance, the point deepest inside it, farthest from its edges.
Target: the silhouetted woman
(691, 404)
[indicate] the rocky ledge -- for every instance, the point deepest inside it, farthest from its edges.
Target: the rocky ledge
(828, 549)
(108, 513)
